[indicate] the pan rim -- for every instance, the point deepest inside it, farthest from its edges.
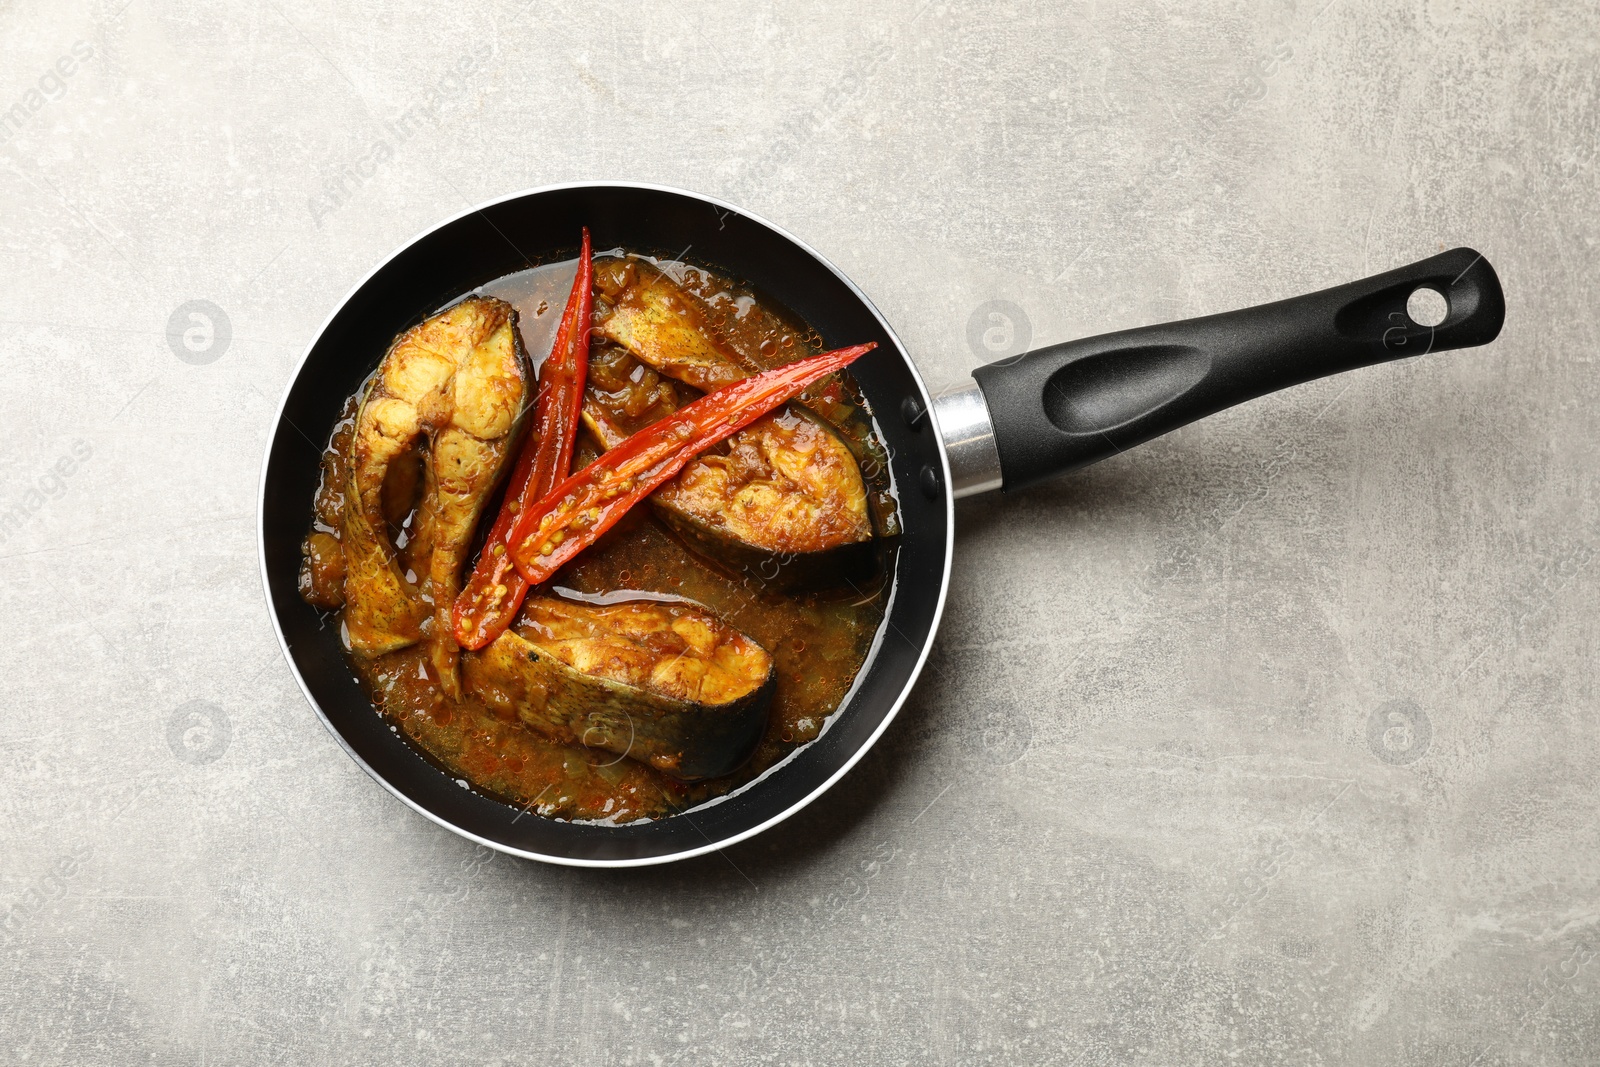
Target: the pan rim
(710, 846)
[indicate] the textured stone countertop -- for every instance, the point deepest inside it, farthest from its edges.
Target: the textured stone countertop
(1271, 742)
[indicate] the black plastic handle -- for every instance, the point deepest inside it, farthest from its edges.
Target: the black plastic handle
(1063, 407)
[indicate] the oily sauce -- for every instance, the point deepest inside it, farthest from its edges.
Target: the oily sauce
(819, 638)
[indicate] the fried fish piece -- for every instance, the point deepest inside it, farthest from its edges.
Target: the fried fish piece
(784, 504)
(458, 382)
(645, 312)
(666, 683)
(785, 501)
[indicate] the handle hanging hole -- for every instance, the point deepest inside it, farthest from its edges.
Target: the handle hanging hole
(1427, 307)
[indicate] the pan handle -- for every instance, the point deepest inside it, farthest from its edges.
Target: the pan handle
(1066, 406)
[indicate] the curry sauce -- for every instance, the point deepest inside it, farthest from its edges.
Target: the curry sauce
(817, 632)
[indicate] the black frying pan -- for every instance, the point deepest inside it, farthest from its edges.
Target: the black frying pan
(1022, 420)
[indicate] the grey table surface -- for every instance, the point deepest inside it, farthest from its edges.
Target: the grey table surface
(1270, 742)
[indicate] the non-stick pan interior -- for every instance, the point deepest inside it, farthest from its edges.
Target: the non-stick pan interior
(514, 234)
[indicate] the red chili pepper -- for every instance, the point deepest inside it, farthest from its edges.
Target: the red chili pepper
(574, 515)
(495, 591)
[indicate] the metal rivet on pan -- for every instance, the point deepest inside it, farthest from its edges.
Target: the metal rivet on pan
(913, 411)
(929, 480)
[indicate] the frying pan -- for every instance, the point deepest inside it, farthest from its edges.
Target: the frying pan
(1021, 420)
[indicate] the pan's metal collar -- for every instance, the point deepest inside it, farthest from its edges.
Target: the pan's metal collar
(961, 416)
